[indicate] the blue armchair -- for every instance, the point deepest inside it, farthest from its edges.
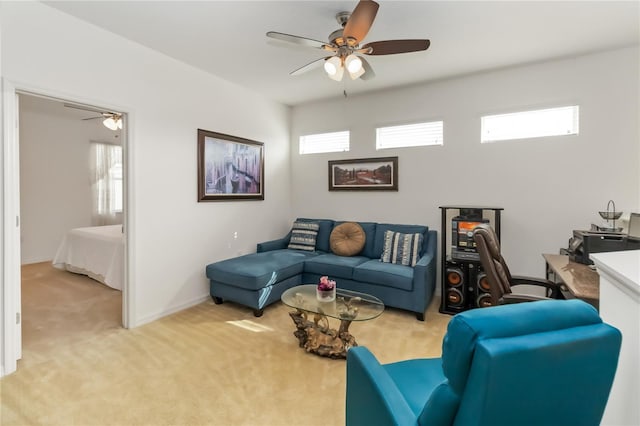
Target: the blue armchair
(543, 363)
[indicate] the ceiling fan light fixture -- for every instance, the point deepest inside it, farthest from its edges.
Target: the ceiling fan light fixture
(353, 64)
(110, 123)
(356, 74)
(333, 65)
(113, 122)
(338, 75)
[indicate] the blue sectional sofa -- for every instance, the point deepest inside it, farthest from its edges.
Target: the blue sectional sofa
(257, 280)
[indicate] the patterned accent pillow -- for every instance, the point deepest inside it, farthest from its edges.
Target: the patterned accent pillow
(403, 249)
(303, 236)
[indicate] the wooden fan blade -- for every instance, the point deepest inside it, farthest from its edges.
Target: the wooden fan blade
(301, 41)
(92, 118)
(391, 47)
(309, 66)
(360, 21)
(368, 71)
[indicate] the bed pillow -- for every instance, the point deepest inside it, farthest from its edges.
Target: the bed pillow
(347, 239)
(304, 235)
(403, 249)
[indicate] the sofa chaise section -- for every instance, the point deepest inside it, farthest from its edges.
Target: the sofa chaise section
(256, 280)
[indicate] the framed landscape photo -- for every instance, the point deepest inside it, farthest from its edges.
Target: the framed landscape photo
(229, 167)
(365, 174)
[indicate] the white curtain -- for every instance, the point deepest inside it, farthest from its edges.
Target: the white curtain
(106, 183)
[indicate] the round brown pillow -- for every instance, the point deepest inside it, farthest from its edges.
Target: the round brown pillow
(347, 239)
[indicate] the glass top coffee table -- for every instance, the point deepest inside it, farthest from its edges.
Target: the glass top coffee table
(316, 336)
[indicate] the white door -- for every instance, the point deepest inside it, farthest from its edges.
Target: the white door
(11, 321)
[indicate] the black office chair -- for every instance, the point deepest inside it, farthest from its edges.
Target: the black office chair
(498, 276)
(634, 227)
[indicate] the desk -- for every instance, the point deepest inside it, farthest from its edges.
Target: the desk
(580, 280)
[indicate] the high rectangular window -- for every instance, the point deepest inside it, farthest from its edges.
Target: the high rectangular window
(418, 134)
(530, 124)
(324, 142)
(116, 187)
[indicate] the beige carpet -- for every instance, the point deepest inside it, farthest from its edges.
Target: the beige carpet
(60, 308)
(192, 368)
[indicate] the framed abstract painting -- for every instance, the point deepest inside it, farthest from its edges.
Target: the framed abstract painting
(229, 167)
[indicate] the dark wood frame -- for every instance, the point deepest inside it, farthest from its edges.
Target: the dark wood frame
(361, 162)
(256, 178)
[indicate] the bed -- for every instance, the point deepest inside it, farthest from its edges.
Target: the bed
(96, 251)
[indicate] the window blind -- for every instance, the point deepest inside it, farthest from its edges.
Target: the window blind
(419, 134)
(530, 124)
(324, 142)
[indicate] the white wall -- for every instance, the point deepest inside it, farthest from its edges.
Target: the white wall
(547, 187)
(173, 236)
(55, 191)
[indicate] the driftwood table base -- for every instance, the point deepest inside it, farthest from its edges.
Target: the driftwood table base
(317, 337)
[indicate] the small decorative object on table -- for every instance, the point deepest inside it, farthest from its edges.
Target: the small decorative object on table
(326, 290)
(347, 309)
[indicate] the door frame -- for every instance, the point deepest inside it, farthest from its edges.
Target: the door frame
(11, 336)
(10, 296)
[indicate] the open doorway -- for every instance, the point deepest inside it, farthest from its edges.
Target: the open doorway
(72, 178)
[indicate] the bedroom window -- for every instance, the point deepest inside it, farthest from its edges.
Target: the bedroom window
(115, 175)
(324, 142)
(106, 183)
(418, 134)
(530, 124)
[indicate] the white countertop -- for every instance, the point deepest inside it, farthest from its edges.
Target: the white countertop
(623, 266)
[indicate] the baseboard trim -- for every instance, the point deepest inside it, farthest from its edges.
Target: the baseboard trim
(172, 310)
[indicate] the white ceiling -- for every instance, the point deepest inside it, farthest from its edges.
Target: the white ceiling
(89, 120)
(227, 38)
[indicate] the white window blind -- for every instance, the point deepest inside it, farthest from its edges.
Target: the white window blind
(106, 182)
(324, 142)
(419, 134)
(115, 175)
(530, 124)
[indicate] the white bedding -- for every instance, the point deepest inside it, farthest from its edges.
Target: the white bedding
(97, 252)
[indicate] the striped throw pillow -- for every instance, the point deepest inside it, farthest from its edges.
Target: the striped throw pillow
(403, 249)
(303, 236)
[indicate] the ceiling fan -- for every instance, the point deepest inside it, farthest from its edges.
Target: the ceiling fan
(111, 120)
(344, 44)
